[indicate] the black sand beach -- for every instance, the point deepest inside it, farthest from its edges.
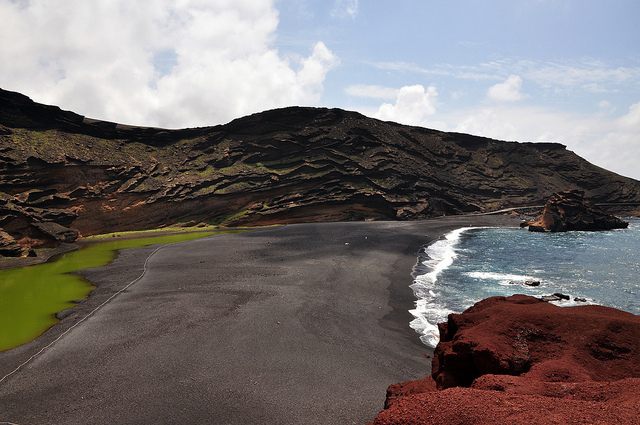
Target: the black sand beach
(297, 324)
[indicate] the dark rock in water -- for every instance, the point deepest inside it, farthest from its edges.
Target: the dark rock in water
(549, 298)
(580, 300)
(525, 283)
(520, 360)
(569, 210)
(8, 245)
(535, 227)
(555, 297)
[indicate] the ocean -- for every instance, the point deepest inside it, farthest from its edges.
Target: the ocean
(470, 264)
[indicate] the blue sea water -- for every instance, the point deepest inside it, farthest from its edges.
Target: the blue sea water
(471, 264)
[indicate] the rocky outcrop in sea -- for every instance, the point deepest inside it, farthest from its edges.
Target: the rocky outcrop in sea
(569, 210)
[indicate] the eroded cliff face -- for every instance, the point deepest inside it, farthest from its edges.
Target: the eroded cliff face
(521, 360)
(569, 210)
(281, 166)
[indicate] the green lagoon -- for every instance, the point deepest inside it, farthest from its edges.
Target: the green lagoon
(31, 296)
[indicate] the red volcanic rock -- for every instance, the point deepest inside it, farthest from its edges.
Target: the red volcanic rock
(522, 360)
(523, 336)
(604, 404)
(569, 210)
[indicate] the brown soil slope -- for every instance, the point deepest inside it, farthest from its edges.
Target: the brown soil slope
(287, 165)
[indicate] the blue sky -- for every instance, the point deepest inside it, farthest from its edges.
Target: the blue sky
(537, 70)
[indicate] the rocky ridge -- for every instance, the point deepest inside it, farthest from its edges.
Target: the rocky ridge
(281, 166)
(521, 360)
(569, 210)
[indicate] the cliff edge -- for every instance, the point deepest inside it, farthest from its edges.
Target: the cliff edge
(521, 360)
(569, 210)
(282, 166)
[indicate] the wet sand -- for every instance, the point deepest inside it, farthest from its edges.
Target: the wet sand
(297, 324)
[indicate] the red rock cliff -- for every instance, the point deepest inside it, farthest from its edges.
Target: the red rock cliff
(522, 360)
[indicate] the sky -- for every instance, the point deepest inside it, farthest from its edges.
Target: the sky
(566, 71)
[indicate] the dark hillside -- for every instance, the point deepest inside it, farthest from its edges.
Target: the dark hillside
(287, 165)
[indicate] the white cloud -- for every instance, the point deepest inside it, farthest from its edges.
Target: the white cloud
(488, 123)
(456, 95)
(413, 106)
(171, 63)
(445, 70)
(631, 121)
(314, 69)
(509, 91)
(594, 88)
(604, 104)
(526, 123)
(589, 74)
(616, 147)
(344, 9)
(374, 92)
(611, 143)
(585, 75)
(590, 129)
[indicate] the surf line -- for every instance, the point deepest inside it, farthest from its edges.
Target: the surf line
(144, 270)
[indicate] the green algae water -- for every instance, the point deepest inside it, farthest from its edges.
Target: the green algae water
(31, 296)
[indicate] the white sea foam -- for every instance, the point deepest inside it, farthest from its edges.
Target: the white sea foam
(428, 314)
(439, 256)
(433, 260)
(450, 275)
(502, 278)
(573, 303)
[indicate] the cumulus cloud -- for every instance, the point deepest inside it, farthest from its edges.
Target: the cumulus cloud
(509, 91)
(488, 123)
(413, 105)
(530, 123)
(607, 141)
(170, 63)
(619, 148)
(631, 121)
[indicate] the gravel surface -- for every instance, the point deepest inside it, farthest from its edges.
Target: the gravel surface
(293, 324)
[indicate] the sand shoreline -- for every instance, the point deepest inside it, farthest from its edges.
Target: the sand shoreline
(7, 263)
(293, 324)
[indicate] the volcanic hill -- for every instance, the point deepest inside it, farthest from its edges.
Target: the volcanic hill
(287, 165)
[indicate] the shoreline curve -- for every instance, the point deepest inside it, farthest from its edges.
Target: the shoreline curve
(293, 324)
